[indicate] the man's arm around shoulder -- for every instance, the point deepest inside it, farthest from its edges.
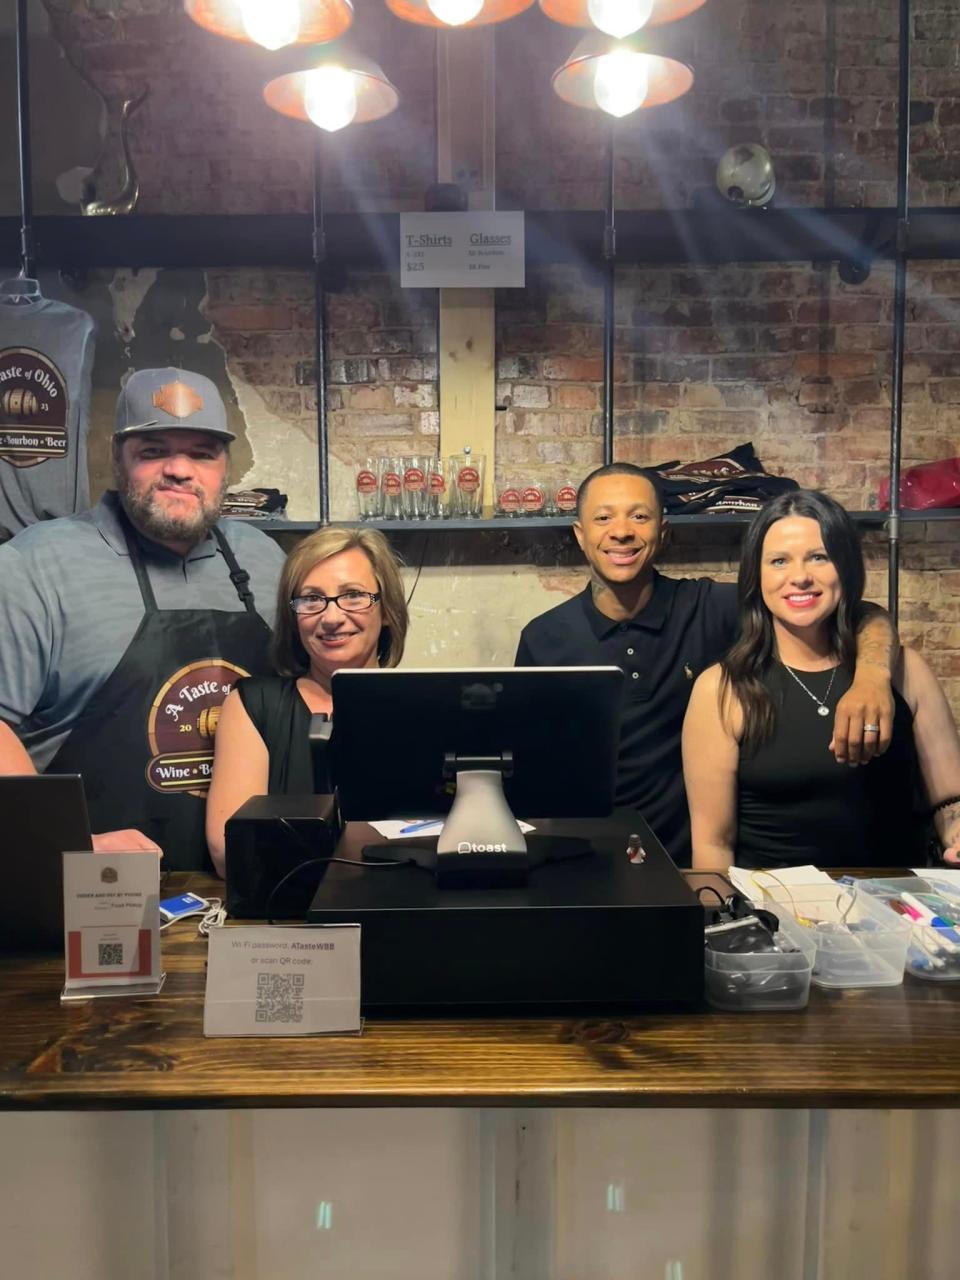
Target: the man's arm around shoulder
(863, 723)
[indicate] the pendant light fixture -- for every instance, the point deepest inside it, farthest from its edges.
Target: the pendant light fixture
(273, 23)
(457, 13)
(618, 18)
(619, 76)
(338, 89)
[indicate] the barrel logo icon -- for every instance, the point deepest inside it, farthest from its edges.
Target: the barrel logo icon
(182, 725)
(437, 483)
(366, 482)
(33, 408)
(392, 484)
(413, 480)
(468, 479)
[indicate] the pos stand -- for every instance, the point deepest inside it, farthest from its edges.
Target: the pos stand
(481, 844)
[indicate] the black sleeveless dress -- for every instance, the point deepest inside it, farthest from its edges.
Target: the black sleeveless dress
(282, 719)
(797, 805)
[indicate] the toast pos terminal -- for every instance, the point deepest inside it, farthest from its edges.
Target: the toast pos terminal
(478, 747)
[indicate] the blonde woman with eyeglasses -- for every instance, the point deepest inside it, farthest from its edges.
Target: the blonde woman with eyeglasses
(341, 604)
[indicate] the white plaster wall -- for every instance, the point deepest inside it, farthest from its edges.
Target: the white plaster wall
(443, 1194)
(472, 615)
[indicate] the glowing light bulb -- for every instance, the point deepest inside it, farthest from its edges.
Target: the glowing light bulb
(621, 82)
(271, 23)
(454, 13)
(330, 97)
(619, 18)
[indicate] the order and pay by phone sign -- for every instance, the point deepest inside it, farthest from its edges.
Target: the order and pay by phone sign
(462, 250)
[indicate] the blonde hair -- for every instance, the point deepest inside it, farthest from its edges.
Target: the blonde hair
(289, 655)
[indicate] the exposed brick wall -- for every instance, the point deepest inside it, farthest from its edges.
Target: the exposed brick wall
(816, 80)
(786, 355)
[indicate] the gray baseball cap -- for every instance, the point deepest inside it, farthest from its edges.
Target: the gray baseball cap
(167, 399)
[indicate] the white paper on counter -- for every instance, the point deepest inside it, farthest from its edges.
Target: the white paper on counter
(792, 877)
(410, 828)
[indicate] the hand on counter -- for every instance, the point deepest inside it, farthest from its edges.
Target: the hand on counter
(863, 724)
(127, 841)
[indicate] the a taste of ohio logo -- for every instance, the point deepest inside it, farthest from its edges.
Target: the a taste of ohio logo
(183, 723)
(33, 408)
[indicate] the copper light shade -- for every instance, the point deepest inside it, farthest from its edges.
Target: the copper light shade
(576, 81)
(320, 20)
(575, 13)
(374, 94)
(492, 11)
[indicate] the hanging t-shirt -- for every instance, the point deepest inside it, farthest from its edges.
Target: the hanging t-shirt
(46, 362)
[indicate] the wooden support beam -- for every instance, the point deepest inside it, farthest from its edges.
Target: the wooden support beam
(466, 153)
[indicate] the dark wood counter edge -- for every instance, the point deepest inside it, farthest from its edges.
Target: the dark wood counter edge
(76, 1099)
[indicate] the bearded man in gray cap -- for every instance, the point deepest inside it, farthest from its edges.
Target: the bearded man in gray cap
(123, 628)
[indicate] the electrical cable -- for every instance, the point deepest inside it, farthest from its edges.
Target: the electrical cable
(313, 862)
(423, 556)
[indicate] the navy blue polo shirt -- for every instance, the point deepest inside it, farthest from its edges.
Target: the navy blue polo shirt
(686, 627)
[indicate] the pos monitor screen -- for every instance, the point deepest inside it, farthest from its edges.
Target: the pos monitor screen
(482, 745)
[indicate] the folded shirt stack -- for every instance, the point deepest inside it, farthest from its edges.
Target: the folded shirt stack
(255, 504)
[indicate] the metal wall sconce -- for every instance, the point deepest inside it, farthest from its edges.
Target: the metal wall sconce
(273, 23)
(618, 18)
(457, 13)
(619, 77)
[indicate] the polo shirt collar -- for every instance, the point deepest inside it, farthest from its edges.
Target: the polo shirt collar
(651, 618)
(108, 519)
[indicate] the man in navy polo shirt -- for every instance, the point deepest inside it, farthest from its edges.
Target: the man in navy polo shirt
(662, 632)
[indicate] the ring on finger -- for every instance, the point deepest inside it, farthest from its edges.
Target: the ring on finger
(871, 728)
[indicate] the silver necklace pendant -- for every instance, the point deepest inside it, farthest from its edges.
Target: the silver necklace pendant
(822, 708)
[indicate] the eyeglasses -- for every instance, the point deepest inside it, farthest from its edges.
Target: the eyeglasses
(348, 601)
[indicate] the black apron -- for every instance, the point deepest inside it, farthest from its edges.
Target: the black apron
(144, 742)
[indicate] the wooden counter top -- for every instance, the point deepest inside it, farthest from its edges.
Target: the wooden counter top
(881, 1047)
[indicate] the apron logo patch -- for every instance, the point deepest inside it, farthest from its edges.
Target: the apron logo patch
(182, 725)
(33, 408)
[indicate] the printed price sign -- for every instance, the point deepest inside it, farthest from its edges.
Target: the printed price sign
(269, 981)
(461, 250)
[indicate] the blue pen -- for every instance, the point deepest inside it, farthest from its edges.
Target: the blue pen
(420, 826)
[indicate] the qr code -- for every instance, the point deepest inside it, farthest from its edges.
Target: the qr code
(109, 953)
(279, 997)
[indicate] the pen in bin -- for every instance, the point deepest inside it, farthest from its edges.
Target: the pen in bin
(921, 912)
(947, 937)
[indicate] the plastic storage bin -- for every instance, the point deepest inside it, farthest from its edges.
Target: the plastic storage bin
(932, 954)
(762, 981)
(860, 941)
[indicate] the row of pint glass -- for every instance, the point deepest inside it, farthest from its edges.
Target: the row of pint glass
(419, 487)
(526, 497)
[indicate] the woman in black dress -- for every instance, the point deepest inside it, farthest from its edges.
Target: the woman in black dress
(762, 785)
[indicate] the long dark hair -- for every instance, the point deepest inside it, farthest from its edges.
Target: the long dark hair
(749, 660)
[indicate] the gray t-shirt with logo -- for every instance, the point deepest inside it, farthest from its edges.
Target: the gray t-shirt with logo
(70, 605)
(46, 362)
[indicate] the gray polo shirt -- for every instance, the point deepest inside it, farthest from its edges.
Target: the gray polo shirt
(70, 605)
